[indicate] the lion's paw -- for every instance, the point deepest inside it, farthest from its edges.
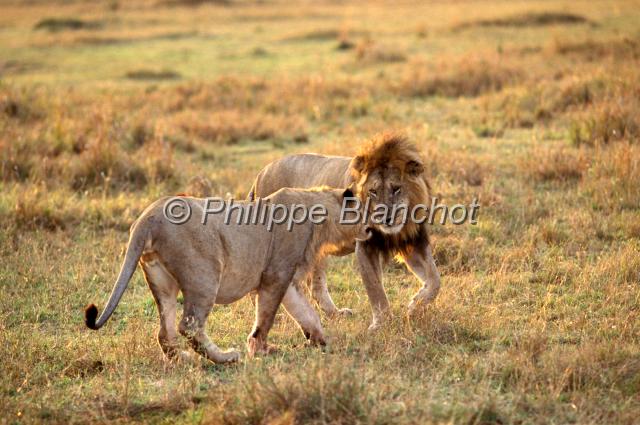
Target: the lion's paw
(258, 348)
(413, 306)
(417, 306)
(229, 356)
(183, 357)
(375, 326)
(346, 312)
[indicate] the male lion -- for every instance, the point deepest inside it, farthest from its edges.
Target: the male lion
(388, 171)
(220, 262)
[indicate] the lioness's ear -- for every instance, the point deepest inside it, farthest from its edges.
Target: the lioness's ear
(349, 198)
(414, 168)
(357, 165)
(348, 193)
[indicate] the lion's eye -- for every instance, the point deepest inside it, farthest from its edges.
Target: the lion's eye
(397, 190)
(373, 193)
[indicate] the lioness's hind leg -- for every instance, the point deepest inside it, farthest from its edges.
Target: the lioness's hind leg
(303, 313)
(165, 293)
(192, 326)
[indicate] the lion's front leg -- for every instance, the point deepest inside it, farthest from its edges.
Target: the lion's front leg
(421, 263)
(370, 266)
(321, 294)
(303, 313)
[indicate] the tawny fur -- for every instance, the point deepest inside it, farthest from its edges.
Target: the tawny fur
(219, 263)
(391, 167)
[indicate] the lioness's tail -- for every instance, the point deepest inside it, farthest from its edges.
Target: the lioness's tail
(139, 234)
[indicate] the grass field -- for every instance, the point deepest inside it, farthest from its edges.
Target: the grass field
(531, 106)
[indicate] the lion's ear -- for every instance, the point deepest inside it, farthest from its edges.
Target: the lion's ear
(357, 165)
(414, 168)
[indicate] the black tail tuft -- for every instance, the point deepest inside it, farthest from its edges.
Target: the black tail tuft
(90, 316)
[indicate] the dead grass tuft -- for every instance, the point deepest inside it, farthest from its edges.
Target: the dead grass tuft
(555, 164)
(16, 161)
(370, 52)
(33, 211)
(105, 164)
(199, 186)
(455, 255)
(321, 393)
(612, 120)
(20, 104)
(613, 176)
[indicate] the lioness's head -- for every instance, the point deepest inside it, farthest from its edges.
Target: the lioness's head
(390, 173)
(337, 228)
(341, 230)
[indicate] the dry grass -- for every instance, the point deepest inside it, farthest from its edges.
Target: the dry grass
(590, 50)
(233, 126)
(532, 111)
(556, 165)
(296, 398)
(369, 52)
(614, 120)
(467, 78)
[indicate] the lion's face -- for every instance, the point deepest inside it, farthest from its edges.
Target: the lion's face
(387, 198)
(389, 180)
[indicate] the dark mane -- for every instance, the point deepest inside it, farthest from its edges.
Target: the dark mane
(400, 244)
(387, 150)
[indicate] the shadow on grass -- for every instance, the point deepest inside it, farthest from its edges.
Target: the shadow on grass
(62, 24)
(531, 19)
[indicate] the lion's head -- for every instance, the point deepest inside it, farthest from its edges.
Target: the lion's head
(390, 172)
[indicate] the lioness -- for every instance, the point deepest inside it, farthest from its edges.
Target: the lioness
(220, 262)
(388, 170)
